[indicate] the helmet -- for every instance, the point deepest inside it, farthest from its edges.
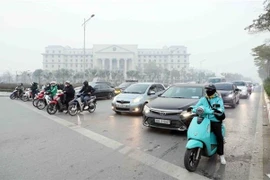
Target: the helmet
(85, 83)
(210, 89)
(53, 83)
(67, 82)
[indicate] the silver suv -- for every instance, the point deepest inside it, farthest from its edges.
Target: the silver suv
(133, 99)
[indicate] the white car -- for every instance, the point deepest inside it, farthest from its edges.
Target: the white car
(242, 85)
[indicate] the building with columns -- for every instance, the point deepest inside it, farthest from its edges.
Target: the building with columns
(114, 57)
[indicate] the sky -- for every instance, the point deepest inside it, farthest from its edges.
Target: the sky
(212, 30)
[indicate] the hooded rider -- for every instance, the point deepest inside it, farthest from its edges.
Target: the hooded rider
(86, 91)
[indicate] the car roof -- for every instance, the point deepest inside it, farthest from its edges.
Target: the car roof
(148, 83)
(188, 85)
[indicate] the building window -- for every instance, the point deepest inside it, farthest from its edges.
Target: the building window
(185, 60)
(58, 66)
(52, 60)
(59, 51)
(52, 51)
(47, 51)
(52, 55)
(172, 61)
(58, 60)
(76, 65)
(76, 60)
(52, 66)
(46, 66)
(70, 65)
(178, 60)
(46, 56)
(59, 56)
(178, 66)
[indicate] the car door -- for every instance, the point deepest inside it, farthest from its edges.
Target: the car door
(153, 88)
(105, 90)
(97, 92)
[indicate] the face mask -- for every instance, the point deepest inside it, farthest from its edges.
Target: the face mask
(210, 92)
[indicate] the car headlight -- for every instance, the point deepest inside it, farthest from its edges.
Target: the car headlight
(146, 109)
(200, 111)
(137, 99)
(114, 99)
(230, 96)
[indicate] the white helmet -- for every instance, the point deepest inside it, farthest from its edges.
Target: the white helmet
(67, 82)
(53, 83)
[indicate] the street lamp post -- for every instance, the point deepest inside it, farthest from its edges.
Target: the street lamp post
(84, 26)
(201, 69)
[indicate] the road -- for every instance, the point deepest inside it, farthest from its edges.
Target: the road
(103, 145)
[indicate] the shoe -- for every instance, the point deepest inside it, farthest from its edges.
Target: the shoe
(222, 159)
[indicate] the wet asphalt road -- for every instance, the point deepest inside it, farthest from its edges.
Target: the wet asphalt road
(35, 145)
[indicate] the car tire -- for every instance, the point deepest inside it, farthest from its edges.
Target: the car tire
(118, 112)
(233, 104)
(109, 96)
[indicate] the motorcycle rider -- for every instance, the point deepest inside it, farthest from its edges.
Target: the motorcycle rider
(53, 89)
(69, 93)
(214, 98)
(87, 90)
(20, 89)
(34, 88)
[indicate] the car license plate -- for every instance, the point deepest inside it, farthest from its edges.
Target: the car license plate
(162, 121)
(122, 105)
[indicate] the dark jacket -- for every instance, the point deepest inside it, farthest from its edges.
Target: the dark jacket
(34, 87)
(87, 90)
(70, 92)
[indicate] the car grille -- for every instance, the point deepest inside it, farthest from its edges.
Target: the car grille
(165, 112)
(123, 102)
(122, 109)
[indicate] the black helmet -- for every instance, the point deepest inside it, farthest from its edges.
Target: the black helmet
(85, 83)
(210, 89)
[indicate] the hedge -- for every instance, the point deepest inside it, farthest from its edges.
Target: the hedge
(10, 87)
(266, 85)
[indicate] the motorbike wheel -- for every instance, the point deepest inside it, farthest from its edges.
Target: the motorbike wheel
(41, 104)
(51, 109)
(73, 110)
(190, 161)
(24, 98)
(34, 102)
(12, 96)
(92, 107)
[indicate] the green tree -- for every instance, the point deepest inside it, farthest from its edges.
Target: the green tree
(262, 23)
(262, 58)
(37, 74)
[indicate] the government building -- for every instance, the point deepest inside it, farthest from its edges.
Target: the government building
(114, 57)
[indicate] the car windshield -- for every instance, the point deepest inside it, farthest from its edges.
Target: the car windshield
(125, 84)
(183, 92)
(224, 86)
(239, 83)
(216, 80)
(137, 88)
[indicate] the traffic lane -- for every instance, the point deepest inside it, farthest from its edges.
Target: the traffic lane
(170, 145)
(34, 147)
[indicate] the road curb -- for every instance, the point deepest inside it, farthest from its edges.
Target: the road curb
(267, 102)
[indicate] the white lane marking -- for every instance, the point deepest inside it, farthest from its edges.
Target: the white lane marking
(152, 161)
(256, 163)
(79, 120)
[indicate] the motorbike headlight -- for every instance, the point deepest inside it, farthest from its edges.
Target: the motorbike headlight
(137, 99)
(146, 109)
(200, 111)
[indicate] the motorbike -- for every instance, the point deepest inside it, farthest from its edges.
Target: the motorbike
(38, 96)
(76, 105)
(27, 95)
(15, 94)
(201, 140)
(43, 101)
(55, 104)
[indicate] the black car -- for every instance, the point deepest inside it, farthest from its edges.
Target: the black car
(164, 111)
(123, 86)
(229, 92)
(101, 90)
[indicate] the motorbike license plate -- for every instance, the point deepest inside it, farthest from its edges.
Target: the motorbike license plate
(162, 121)
(122, 105)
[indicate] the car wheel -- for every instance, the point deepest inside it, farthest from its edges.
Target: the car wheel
(233, 104)
(109, 96)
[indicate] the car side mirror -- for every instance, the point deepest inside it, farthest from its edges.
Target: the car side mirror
(151, 92)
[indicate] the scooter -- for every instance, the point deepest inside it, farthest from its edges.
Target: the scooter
(38, 96)
(15, 94)
(77, 105)
(201, 141)
(43, 101)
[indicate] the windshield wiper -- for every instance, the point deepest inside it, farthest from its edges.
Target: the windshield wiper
(178, 97)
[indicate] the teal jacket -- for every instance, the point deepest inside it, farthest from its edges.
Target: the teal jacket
(53, 90)
(216, 99)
